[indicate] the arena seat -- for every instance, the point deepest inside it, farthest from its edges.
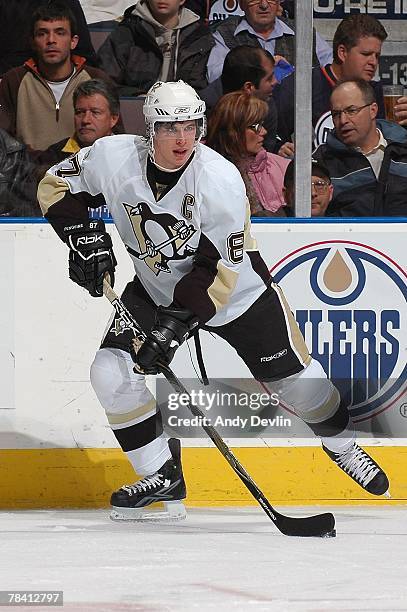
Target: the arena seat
(131, 110)
(100, 31)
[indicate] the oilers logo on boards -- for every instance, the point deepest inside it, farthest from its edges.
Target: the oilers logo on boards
(351, 308)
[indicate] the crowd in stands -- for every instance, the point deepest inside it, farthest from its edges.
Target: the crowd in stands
(357, 45)
(59, 94)
(236, 131)
(96, 114)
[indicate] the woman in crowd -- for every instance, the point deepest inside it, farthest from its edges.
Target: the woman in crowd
(235, 130)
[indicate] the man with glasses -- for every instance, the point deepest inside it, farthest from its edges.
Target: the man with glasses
(261, 27)
(357, 45)
(321, 189)
(366, 157)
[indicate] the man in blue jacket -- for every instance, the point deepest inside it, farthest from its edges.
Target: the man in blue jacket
(366, 157)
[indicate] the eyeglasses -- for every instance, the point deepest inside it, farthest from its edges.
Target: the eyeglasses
(319, 186)
(256, 127)
(257, 2)
(348, 112)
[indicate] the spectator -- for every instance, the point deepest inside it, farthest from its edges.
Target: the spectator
(18, 190)
(260, 27)
(97, 110)
(249, 69)
(15, 43)
(357, 46)
(156, 41)
(36, 98)
(97, 11)
(366, 158)
(321, 189)
(235, 130)
(219, 9)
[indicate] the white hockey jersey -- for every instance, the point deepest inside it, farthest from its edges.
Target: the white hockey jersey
(191, 247)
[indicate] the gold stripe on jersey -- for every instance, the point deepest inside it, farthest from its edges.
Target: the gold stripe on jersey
(126, 417)
(222, 287)
(250, 243)
(50, 191)
(296, 338)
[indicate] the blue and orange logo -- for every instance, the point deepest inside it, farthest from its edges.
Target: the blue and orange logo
(352, 313)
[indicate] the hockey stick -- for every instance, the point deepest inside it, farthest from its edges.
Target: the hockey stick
(157, 247)
(320, 525)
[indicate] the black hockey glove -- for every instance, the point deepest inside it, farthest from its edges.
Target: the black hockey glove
(91, 255)
(172, 326)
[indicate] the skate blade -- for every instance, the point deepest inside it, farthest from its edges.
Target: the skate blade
(166, 512)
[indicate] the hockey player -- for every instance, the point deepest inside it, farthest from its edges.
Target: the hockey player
(181, 211)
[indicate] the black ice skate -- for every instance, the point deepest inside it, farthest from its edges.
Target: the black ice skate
(167, 486)
(362, 468)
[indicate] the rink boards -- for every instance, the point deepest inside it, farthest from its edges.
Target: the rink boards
(346, 283)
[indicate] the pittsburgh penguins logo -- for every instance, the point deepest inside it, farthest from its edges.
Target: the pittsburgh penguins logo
(161, 237)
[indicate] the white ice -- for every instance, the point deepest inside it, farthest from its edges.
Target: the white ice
(228, 559)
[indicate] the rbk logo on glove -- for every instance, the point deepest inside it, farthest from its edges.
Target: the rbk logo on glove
(91, 256)
(90, 239)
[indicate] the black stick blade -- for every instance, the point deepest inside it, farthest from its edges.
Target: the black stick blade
(321, 525)
(317, 526)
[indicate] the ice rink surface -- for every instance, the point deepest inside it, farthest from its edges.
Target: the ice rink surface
(217, 559)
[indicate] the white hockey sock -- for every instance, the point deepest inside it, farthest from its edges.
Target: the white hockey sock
(341, 442)
(149, 458)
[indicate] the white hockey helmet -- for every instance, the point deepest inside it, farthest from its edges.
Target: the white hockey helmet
(173, 101)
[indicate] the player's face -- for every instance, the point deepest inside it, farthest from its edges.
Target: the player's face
(261, 14)
(174, 143)
(321, 195)
(164, 9)
(53, 42)
(255, 137)
(361, 61)
(93, 119)
(268, 81)
(353, 129)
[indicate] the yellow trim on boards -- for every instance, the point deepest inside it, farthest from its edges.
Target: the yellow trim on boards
(85, 478)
